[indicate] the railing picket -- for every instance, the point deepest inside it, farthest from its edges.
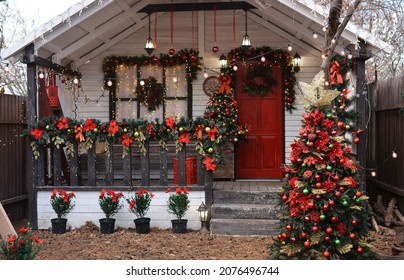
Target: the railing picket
(74, 165)
(145, 165)
(41, 166)
(91, 166)
(109, 165)
(57, 167)
(127, 168)
(200, 170)
(182, 175)
(163, 167)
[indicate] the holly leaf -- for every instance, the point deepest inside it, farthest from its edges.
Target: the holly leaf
(345, 249)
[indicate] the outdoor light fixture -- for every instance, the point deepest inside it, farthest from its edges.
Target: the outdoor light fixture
(203, 216)
(296, 62)
(223, 61)
(149, 48)
(246, 43)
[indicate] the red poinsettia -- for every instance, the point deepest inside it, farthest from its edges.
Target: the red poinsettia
(37, 133)
(307, 174)
(212, 132)
(199, 129)
(126, 140)
(170, 122)
(89, 125)
(150, 130)
(184, 138)
(329, 185)
(63, 123)
(113, 127)
(209, 163)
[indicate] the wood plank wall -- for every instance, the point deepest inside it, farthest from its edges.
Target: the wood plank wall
(13, 155)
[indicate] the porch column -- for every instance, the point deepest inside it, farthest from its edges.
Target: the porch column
(32, 116)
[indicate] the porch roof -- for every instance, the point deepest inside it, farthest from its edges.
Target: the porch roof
(90, 27)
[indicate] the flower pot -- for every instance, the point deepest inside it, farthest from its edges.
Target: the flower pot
(142, 225)
(107, 225)
(179, 226)
(59, 225)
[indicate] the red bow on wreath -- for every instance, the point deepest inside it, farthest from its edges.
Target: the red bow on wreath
(335, 73)
(225, 84)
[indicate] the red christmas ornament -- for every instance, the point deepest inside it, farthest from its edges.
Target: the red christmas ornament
(341, 189)
(284, 235)
(311, 205)
(334, 219)
(342, 161)
(326, 254)
(284, 198)
(293, 239)
(327, 239)
(340, 125)
(325, 207)
(303, 235)
(307, 219)
(352, 236)
(354, 223)
(336, 178)
(329, 230)
(318, 197)
(331, 202)
(317, 177)
(155, 59)
(314, 229)
(318, 185)
(356, 140)
(215, 49)
(306, 244)
(171, 52)
(337, 194)
(360, 250)
(288, 227)
(358, 194)
(193, 57)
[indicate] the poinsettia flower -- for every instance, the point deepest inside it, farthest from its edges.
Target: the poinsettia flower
(328, 123)
(37, 239)
(113, 127)
(23, 230)
(350, 181)
(307, 174)
(178, 190)
(211, 133)
(132, 204)
(37, 133)
(315, 216)
(12, 238)
(310, 160)
(168, 190)
(184, 138)
(89, 125)
(54, 193)
(103, 191)
(199, 131)
(21, 243)
(186, 190)
(170, 122)
(126, 140)
(329, 185)
(63, 123)
(341, 229)
(149, 130)
(209, 163)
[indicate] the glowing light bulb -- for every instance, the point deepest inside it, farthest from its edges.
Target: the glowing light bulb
(373, 173)
(142, 83)
(41, 75)
(324, 28)
(235, 68)
(323, 56)
(350, 56)
(109, 83)
(326, 83)
(394, 154)
(7, 69)
(315, 35)
(263, 58)
(76, 81)
(342, 52)
(175, 79)
(290, 48)
(205, 75)
(333, 41)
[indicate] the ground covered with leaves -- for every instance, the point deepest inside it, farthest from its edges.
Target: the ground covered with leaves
(87, 243)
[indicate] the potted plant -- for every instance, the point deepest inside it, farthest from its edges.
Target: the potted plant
(62, 202)
(110, 203)
(178, 204)
(139, 204)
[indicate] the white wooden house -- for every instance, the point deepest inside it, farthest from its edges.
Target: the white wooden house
(76, 43)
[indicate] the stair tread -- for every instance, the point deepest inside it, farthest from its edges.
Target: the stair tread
(242, 205)
(232, 220)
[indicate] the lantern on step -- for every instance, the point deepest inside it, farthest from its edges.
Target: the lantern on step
(52, 91)
(203, 216)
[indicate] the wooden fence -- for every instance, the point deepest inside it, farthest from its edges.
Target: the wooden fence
(13, 156)
(386, 134)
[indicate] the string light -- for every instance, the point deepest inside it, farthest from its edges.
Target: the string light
(41, 75)
(263, 58)
(315, 35)
(175, 79)
(349, 56)
(394, 154)
(205, 75)
(142, 82)
(373, 173)
(235, 68)
(109, 83)
(324, 28)
(76, 80)
(333, 41)
(343, 53)
(290, 48)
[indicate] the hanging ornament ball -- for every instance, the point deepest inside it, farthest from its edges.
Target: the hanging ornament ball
(155, 59)
(314, 229)
(325, 208)
(210, 150)
(334, 219)
(331, 146)
(63, 81)
(207, 129)
(136, 134)
(337, 193)
(181, 129)
(284, 198)
(171, 52)
(360, 250)
(352, 236)
(328, 230)
(327, 239)
(318, 197)
(293, 239)
(358, 194)
(318, 185)
(284, 235)
(322, 217)
(354, 223)
(356, 140)
(329, 115)
(306, 191)
(288, 227)
(347, 127)
(193, 57)
(306, 244)
(329, 168)
(310, 204)
(358, 201)
(337, 242)
(303, 235)
(345, 203)
(304, 165)
(215, 49)
(307, 219)
(326, 254)
(331, 202)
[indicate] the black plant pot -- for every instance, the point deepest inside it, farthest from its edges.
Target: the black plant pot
(107, 225)
(179, 226)
(59, 225)
(142, 225)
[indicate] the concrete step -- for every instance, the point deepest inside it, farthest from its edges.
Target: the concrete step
(244, 211)
(244, 227)
(245, 197)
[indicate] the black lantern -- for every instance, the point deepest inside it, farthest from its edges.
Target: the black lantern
(149, 48)
(296, 62)
(203, 216)
(246, 43)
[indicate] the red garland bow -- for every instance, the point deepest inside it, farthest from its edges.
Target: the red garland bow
(225, 84)
(335, 73)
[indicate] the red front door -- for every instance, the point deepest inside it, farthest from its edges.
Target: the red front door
(260, 157)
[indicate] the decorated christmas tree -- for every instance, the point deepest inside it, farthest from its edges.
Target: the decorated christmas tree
(324, 214)
(222, 110)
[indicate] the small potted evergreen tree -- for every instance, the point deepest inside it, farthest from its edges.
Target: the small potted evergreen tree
(110, 203)
(178, 204)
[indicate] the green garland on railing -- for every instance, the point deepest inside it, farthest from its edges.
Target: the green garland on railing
(129, 132)
(278, 57)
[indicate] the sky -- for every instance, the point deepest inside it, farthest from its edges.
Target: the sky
(41, 10)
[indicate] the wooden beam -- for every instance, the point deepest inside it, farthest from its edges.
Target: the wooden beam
(184, 7)
(39, 61)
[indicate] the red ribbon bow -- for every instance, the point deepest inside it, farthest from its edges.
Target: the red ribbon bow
(225, 84)
(335, 73)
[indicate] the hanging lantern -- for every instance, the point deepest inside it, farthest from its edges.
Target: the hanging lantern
(149, 48)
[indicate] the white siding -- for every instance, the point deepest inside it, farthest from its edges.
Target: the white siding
(87, 209)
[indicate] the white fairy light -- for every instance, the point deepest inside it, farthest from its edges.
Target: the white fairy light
(142, 83)
(235, 68)
(373, 173)
(315, 35)
(394, 154)
(324, 28)
(205, 75)
(41, 75)
(76, 81)
(263, 58)
(109, 83)
(350, 56)
(175, 79)
(290, 48)
(333, 41)
(342, 52)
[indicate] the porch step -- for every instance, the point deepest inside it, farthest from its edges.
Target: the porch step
(244, 211)
(244, 226)
(245, 197)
